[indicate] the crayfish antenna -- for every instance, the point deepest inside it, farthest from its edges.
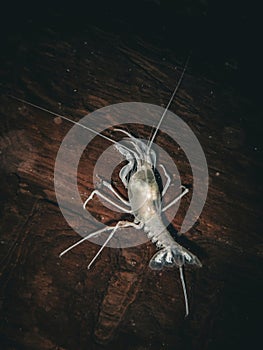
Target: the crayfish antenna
(168, 104)
(184, 291)
(65, 118)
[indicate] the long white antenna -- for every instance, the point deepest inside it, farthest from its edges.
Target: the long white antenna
(168, 105)
(65, 118)
(184, 291)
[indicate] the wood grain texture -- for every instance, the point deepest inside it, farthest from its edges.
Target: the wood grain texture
(52, 303)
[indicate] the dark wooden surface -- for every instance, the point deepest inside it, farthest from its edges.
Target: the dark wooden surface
(52, 303)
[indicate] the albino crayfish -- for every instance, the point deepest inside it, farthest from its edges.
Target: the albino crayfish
(144, 199)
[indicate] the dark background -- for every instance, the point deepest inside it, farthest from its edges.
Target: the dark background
(216, 32)
(79, 56)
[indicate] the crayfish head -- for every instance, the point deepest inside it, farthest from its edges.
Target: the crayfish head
(143, 193)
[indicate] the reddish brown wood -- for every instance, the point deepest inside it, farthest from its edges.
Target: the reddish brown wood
(52, 303)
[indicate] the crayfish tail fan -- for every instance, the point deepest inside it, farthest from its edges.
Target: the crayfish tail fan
(177, 255)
